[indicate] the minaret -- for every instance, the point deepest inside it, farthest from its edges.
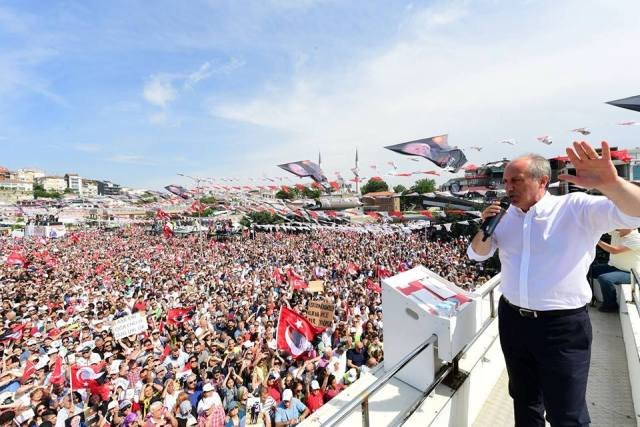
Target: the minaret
(357, 174)
(319, 159)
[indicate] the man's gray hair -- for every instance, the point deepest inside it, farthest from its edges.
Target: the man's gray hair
(538, 165)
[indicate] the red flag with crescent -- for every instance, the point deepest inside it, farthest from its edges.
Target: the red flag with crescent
(295, 333)
(85, 376)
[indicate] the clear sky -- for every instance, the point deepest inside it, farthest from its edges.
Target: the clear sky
(136, 91)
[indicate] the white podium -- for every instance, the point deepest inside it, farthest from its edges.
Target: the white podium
(409, 321)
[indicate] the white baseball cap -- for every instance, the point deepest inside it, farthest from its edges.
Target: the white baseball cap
(207, 387)
(287, 395)
(315, 385)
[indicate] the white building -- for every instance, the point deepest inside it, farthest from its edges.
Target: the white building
(16, 185)
(53, 183)
(29, 174)
(89, 187)
(74, 182)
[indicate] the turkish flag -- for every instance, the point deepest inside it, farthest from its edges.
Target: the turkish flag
(85, 376)
(15, 333)
(29, 370)
(300, 187)
(382, 272)
(102, 390)
(56, 375)
(396, 214)
(165, 352)
(374, 215)
(168, 232)
(295, 333)
(277, 274)
(16, 258)
(332, 214)
(335, 185)
(296, 281)
(178, 315)
(373, 286)
(162, 215)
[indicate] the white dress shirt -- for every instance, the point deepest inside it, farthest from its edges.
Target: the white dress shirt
(546, 252)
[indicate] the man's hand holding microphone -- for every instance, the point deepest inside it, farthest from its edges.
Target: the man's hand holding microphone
(491, 216)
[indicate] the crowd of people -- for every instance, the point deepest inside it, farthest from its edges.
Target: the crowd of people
(209, 356)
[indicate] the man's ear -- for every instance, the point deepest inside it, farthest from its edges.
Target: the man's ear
(545, 180)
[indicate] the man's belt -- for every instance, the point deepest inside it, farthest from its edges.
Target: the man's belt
(539, 314)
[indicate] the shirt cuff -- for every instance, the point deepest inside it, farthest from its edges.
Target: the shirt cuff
(477, 257)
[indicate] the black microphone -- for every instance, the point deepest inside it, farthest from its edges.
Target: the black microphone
(489, 225)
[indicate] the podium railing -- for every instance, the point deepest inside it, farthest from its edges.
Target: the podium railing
(452, 368)
(635, 288)
(363, 397)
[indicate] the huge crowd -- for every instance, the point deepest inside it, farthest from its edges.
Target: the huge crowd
(209, 356)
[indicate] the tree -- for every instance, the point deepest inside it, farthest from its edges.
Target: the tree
(39, 192)
(424, 185)
(208, 200)
(285, 195)
(373, 186)
(262, 217)
(399, 189)
(312, 193)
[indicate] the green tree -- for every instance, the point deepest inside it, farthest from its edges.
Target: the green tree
(373, 186)
(285, 195)
(399, 189)
(39, 192)
(424, 185)
(262, 217)
(311, 193)
(208, 200)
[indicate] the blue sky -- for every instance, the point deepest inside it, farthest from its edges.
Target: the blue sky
(137, 91)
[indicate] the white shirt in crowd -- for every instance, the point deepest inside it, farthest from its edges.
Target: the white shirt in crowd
(626, 260)
(546, 252)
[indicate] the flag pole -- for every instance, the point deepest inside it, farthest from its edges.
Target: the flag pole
(71, 385)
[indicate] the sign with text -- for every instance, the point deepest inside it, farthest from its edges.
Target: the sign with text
(320, 313)
(316, 286)
(129, 325)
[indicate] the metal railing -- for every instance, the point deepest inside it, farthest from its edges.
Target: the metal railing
(635, 288)
(363, 397)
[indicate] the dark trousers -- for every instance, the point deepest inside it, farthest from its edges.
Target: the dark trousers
(548, 365)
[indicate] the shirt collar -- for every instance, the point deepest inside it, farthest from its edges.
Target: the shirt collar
(539, 206)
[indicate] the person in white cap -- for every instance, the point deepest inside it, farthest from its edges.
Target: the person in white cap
(112, 408)
(212, 415)
(290, 411)
(209, 394)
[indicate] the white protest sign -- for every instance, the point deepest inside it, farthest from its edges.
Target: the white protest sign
(129, 325)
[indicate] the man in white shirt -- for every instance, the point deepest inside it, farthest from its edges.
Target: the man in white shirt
(546, 246)
(624, 255)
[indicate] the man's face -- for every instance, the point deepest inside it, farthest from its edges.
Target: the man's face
(523, 190)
